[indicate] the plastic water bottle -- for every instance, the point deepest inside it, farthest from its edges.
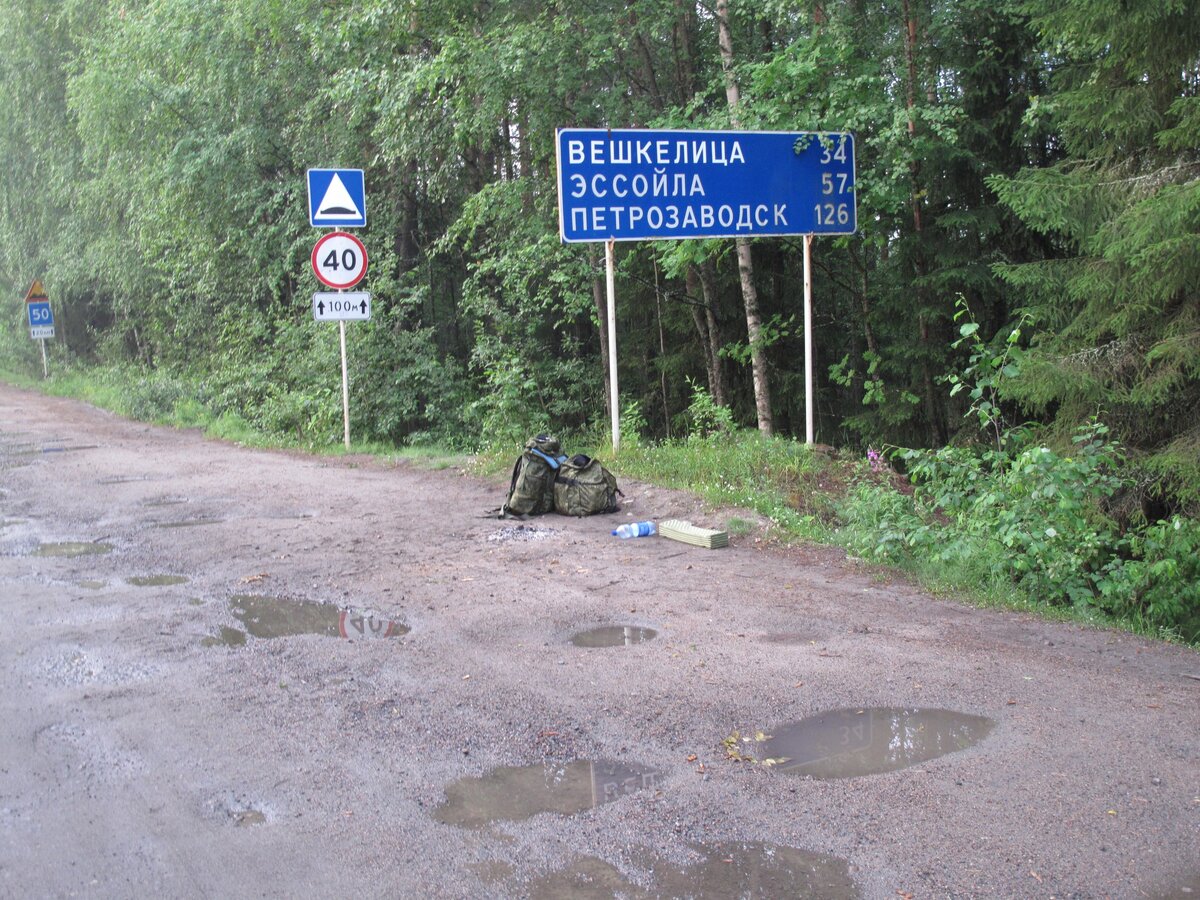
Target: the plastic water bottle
(634, 529)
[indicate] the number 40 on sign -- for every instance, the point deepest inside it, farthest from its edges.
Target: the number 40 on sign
(339, 260)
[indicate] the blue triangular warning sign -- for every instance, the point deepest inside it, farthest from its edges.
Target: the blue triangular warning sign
(336, 198)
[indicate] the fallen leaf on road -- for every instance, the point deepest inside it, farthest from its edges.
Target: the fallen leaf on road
(251, 579)
(691, 757)
(1036, 875)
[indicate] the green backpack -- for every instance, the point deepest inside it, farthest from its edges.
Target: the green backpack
(531, 492)
(584, 487)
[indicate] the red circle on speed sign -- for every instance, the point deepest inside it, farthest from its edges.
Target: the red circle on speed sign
(339, 260)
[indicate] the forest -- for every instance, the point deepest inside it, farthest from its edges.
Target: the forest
(1021, 296)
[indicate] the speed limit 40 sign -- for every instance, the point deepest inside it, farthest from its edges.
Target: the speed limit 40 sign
(339, 260)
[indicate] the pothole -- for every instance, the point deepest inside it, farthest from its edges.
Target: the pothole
(848, 743)
(73, 548)
(613, 636)
(523, 533)
(274, 617)
(790, 638)
(156, 580)
(245, 817)
(743, 870)
(521, 792)
(229, 637)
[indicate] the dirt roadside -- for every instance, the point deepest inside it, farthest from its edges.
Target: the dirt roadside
(153, 744)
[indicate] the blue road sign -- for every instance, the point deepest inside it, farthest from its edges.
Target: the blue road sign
(635, 184)
(337, 198)
(41, 319)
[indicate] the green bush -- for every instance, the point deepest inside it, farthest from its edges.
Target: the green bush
(1033, 519)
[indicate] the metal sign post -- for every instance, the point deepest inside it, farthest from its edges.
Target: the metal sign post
(808, 346)
(610, 286)
(340, 260)
(337, 198)
(345, 385)
(41, 319)
(637, 184)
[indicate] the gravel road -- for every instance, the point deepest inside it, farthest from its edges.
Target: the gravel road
(235, 673)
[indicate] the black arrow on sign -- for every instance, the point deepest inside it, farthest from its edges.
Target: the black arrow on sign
(321, 307)
(363, 307)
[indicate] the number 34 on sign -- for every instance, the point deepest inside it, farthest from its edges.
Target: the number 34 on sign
(339, 260)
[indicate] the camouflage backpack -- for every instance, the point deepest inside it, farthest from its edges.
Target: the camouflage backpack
(584, 487)
(532, 490)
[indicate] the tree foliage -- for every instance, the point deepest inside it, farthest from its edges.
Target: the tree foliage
(1020, 159)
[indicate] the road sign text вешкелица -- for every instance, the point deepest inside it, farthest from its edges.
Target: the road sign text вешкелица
(636, 184)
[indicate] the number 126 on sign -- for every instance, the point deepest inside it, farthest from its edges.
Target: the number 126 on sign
(339, 260)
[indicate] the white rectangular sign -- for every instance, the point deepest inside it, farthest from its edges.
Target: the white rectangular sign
(340, 306)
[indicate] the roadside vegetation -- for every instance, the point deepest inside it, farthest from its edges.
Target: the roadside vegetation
(1023, 527)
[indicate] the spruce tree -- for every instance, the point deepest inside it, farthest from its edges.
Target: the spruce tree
(1117, 301)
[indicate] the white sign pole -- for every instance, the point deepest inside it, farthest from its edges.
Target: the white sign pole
(610, 282)
(345, 384)
(808, 341)
(45, 365)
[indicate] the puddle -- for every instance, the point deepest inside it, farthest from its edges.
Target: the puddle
(517, 793)
(70, 449)
(230, 637)
(523, 533)
(73, 548)
(245, 817)
(164, 501)
(588, 878)
(188, 523)
(1180, 889)
(613, 636)
(122, 479)
(759, 870)
(156, 580)
(847, 743)
(790, 638)
(273, 617)
(91, 584)
(727, 870)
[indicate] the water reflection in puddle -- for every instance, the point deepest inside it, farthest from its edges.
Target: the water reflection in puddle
(847, 743)
(156, 580)
(727, 870)
(613, 636)
(229, 637)
(73, 548)
(273, 617)
(517, 793)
